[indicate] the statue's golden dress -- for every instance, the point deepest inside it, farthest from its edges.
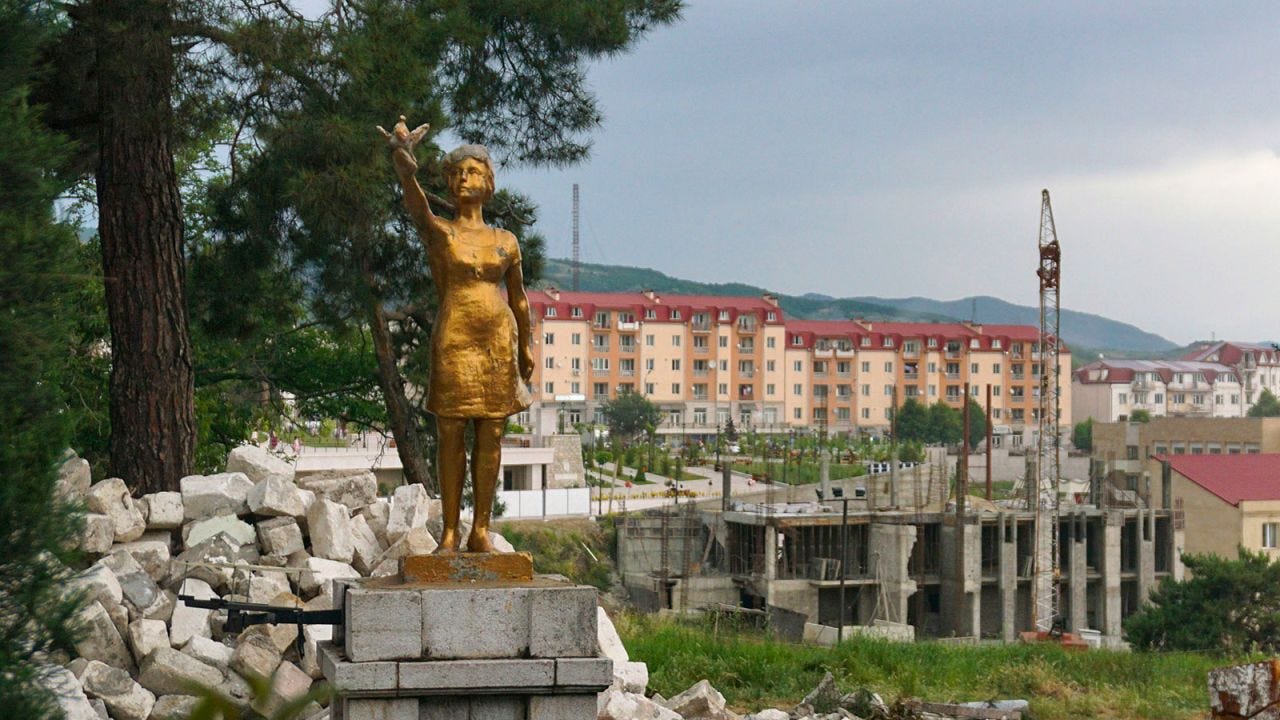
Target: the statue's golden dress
(474, 373)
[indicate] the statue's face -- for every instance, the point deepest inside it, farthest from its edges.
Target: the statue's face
(470, 179)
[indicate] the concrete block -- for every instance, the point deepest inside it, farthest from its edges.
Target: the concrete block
(446, 707)
(197, 531)
(288, 684)
(632, 677)
(591, 673)
(188, 622)
(365, 545)
(329, 525)
(1246, 691)
(111, 498)
(67, 693)
(208, 495)
(169, 672)
(501, 676)
(151, 553)
(321, 574)
(164, 510)
(562, 622)
(173, 707)
(352, 677)
(280, 536)
(74, 479)
(562, 707)
(499, 708)
(610, 644)
(258, 464)
(147, 635)
(380, 709)
(475, 623)
(382, 624)
(101, 640)
(277, 496)
(352, 488)
(408, 510)
(99, 532)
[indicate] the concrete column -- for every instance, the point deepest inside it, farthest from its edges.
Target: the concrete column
(1113, 523)
(891, 552)
(1146, 553)
(1008, 577)
(770, 552)
(1077, 572)
(962, 578)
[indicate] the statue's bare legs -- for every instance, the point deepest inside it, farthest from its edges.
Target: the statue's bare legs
(486, 461)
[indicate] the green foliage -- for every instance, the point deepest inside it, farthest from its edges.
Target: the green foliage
(38, 283)
(945, 424)
(1266, 406)
(629, 415)
(1140, 416)
(753, 672)
(912, 421)
(1082, 435)
(730, 431)
(977, 422)
(1226, 605)
(565, 547)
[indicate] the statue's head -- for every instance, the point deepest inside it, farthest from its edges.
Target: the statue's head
(468, 169)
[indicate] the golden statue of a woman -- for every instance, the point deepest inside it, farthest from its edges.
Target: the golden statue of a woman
(480, 355)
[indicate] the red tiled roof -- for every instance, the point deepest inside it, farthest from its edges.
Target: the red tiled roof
(1233, 478)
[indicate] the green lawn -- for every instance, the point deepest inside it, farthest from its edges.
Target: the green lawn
(754, 673)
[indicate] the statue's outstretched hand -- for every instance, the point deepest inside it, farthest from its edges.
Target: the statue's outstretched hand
(401, 138)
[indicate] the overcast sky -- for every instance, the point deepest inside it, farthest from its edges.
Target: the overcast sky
(899, 149)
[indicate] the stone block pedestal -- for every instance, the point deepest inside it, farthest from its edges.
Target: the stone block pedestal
(500, 651)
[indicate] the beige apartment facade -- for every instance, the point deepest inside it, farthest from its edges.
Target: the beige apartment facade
(1226, 501)
(1111, 390)
(706, 359)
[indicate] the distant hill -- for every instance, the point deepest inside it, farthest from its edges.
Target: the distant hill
(1087, 334)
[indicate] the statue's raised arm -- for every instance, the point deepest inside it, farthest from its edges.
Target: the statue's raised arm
(402, 142)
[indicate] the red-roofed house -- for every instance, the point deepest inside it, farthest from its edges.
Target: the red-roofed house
(1257, 365)
(1110, 390)
(1227, 500)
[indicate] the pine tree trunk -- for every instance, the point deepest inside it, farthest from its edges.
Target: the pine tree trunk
(153, 430)
(404, 427)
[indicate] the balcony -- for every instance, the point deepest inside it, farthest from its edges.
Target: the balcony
(746, 394)
(631, 326)
(627, 348)
(601, 348)
(700, 327)
(953, 376)
(910, 354)
(952, 354)
(599, 372)
(844, 352)
(701, 349)
(824, 353)
(911, 375)
(820, 375)
(701, 373)
(747, 328)
(700, 397)
(1019, 376)
(627, 373)
(746, 373)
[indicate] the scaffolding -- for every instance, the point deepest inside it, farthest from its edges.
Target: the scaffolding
(1048, 471)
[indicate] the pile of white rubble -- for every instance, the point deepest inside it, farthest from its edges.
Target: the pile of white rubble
(144, 650)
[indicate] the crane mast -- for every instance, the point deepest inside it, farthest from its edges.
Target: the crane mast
(1048, 468)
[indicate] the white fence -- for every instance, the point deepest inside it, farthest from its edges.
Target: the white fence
(553, 501)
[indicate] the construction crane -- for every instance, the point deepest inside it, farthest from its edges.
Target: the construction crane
(1048, 467)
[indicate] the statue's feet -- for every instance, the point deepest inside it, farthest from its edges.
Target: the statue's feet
(479, 541)
(449, 542)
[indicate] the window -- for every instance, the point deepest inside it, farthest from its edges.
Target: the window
(600, 390)
(797, 340)
(797, 389)
(675, 388)
(1235, 399)
(1269, 534)
(819, 367)
(551, 312)
(771, 316)
(995, 391)
(796, 414)
(675, 314)
(769, 343)
(995, 345)
(723, 388)
(675, 364)
(675, 341)
(911, 346)
(933, 367)
(549, 363)
(888, 342)
(866, 366)
(975, 343)
(575, 388)
(700, 416)
(648, 363)
(865, 341)
(576, 312)
(549, 388)
(933, 391)
(888, 390)
(866, 390)
(888, 366)
(1159, 398)
(973, 368)
(768, 389)
(576, 339)
(723, 316)
(600, 364)
(649, 340)
(933, 342)
(973, 390)
(548, 338)
(1122, 398)
(699, 342)
(842, 413)
(769, 366)
(798, 366)
(1131, 452)
(843, 367)
(866, 413)
(724, 341)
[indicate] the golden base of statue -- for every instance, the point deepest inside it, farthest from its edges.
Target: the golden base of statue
(466, 567)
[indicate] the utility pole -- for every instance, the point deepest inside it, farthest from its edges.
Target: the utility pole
(989, 454)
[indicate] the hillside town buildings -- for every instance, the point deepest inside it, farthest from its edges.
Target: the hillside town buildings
(705, 360)
(1111, 390)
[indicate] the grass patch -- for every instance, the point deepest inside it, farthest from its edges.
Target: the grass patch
(754, 672)
(565, 546)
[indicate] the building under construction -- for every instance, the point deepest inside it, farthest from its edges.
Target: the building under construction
(943, 573)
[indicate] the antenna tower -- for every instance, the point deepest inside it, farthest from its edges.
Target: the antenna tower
(577, 243)
(1048, 468)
